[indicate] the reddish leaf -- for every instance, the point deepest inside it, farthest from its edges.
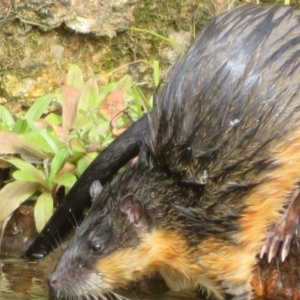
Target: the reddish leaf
(12, 143)
(113, 104)
(70, 97)
(67, 168)
(9, 142)
(59, 131)
(116, 131)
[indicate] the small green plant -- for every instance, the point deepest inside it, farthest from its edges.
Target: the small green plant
(162, 37)
(54, 149)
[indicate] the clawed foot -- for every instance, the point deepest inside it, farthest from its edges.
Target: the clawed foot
(281, 234)
(278, 242)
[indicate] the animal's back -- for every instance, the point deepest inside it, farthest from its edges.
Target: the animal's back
(234, 95)
(231, 102)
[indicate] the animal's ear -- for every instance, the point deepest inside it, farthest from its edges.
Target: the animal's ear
(132, 206)
(95, 189)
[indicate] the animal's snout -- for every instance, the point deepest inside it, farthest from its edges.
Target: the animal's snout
(52, 282)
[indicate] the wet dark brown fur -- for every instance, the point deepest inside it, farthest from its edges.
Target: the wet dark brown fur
(219, 164)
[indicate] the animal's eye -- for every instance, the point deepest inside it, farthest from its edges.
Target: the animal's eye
(96, 247)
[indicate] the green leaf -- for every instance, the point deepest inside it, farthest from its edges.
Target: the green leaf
(93, 134)
(30, 177)
(38, 107)
(125, 83)
(58, 161)
(24, 176)
(75, 77)
(28, 168)
(89, 97)
(102, 128)
(58, 95)
(20, 126)
(43, 210)
(82, 164)
(85, 129)
(13, 194)
(66, 179)
(53, 119)
(140, 95)
(51, 140)
(28, 172)
(91, 156)
(156, 72)
(22, 165)
(137, 102)
(5, 117)
(108, 139)
(34, 139)
(77, 145)
(171, 42)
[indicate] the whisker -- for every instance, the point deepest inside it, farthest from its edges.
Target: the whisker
(102, 297)
(74, 219)
(120, 297)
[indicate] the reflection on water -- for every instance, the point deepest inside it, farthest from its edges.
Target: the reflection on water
(26, 281)
(21, 280)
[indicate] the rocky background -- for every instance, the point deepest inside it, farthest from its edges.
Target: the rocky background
(41, 38)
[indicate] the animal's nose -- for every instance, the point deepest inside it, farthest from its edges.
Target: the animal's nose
(52, 281)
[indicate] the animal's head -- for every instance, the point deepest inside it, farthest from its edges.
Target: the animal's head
(115, 244)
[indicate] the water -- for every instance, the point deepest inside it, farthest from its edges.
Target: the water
(27, 281)
(21, 280)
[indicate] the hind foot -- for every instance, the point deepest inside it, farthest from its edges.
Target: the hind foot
(281, 234)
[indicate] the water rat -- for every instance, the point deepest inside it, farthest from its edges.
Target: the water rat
(217, 179)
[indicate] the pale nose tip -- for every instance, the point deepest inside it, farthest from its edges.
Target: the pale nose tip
(52, 282)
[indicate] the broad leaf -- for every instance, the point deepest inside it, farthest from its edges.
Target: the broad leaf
(32, 139)
(9, 142)
(124, 83)
(20, 126)
(113, 104)
(67, 168)
(89, 95)
(82, 164)
(12, 143)
(51, 140)
(54, 119)
(43, 210)
(77, 145)
(33, 174)
(58, 161)
(71, 97)
(66, 179)
(91, 156)
(106, 90)
(75, 77)
(38, 107)
(13, 194)
(5, 117)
